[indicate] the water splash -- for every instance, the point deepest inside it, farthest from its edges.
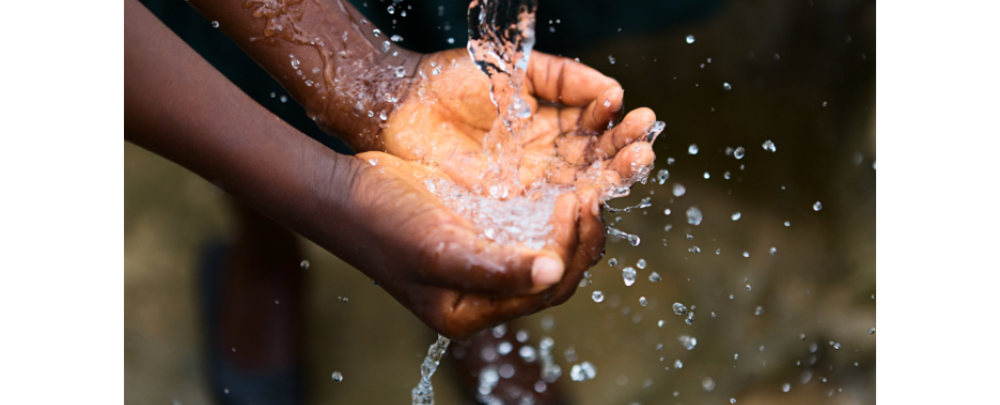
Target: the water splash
(550, 370)
(501, 36)
(423, 393)
(644, 203)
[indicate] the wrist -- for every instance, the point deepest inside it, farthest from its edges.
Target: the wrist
(360, 96)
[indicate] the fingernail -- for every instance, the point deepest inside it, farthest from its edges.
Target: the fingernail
(546, 271)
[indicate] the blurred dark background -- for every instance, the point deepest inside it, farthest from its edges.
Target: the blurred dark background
(801, 74)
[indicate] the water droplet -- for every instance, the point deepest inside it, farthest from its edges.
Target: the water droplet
(836, 345)
(642, 301)
(628, 274)
(816, 207)
(396, 38)
(774, 251)
(597, 296)
(693, 149)
(436, 71)
(612, 262)
(655, 277)
(611, 59)
(382, 116)
(788, 223)
(504, 348)
(582, 372)
(304, 264)
(337, 376)
(667, 211)
(708, 384)
(678, 364)
(662, 176)
(451, 40)
(391, 9)
(769, 146)
(371, 113)
(283, 99)
(607, 103)
(739, 152)
(736, 356)
(377, 32)
(215, 24)
(732, 400)
(690, 318)
(871, 331)
(680, 309)
(679, 189)
(295, 63)
(727, 86)
(748, 288)
(688, 342)
(786, 387)
(385, 47)
(746, 254)
(226, 391)
(758, 311)
(528, 353)
(694, 216)
(506, 371)
(736, 216)
(689, 39)
(706, 176)
(641, 264)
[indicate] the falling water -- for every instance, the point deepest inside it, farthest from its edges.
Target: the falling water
(423, 393)
(501, 36)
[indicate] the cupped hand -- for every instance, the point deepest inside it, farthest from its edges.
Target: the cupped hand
(451, 277)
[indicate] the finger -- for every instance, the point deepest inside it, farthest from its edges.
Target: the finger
(591, 236)
(633, 159)
(636, 125)
(562, 238)
(607, 106)
(562, 80)
(453, 256)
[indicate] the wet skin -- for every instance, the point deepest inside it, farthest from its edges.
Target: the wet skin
(379, 218)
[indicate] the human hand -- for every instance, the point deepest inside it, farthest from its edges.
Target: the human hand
(437, 131)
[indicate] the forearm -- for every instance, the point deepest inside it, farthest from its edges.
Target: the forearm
(179, 107)
(326, 55)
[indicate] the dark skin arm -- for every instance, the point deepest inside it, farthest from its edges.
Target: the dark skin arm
(325, 54)
(178, 106)
(443, 111)
(378, 217)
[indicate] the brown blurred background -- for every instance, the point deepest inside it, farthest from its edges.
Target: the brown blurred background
(802, 74)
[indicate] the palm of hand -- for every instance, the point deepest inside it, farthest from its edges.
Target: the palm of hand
(448, 112)
(437, 130)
